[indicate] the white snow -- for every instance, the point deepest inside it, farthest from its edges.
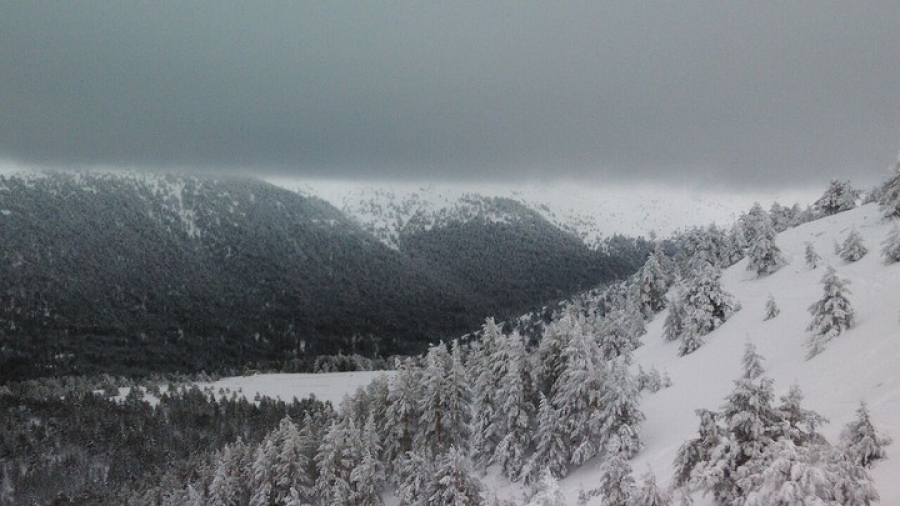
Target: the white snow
(331, 387)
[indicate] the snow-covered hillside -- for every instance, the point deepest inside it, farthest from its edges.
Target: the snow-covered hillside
(591, 212)
(860, 364)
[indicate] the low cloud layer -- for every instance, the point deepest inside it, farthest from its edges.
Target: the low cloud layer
(741, 94)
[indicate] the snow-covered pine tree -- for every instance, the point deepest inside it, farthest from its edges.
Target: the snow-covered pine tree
(800, 425)
(579, 392)
(751, 425)
(674, 322)
(515, 409)
(616, 483)
(840, 196)
(403, 411)
(414, 473)
(889, 202)
(453, 482)
(707, 306)
(552, 449)
(690, 337)
(784, 217)
(697, 450)
(764, 255)
(861, 441)
(649, 494)
(339, 453)
(618, 337)
(653, 284)
(832, 314)
(230, 483)
(550, 363)
(368, 478)
(445, 401)
(621, 409)
(812, 258)
(794, 475)
(261, 472)
(853, 248)
(890, 249)
(737, 244)
(546, 491)
(771, 308)
(485, 364)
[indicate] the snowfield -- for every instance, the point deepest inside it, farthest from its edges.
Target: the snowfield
(327, 387)
(861, 364)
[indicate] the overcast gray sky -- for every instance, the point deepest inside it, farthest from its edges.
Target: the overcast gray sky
(736, 93)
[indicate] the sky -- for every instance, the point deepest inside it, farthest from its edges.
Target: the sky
(743, 95)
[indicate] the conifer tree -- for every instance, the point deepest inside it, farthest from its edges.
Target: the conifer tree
(653, 284)
(339, 454)
(621, 410)
(616, 483)
(618, 337)
(706, 306)
(812, 258)
(889, 202)
(839, 197)
(697, 450)
(414, 474)
(674, 323)
(550, 362)
(552, 450)
(764, 255)
(832, 314)
(453, 482)
(368, 478)
(861, 441)
(403, 411)
(690, 340)
(853, 249)
(649, 494)
(546, 491)
(581, 393)
(771, 308)
(485, 370)
(444, 404)
(891, 246)
(800, 425)
(737, 244)
(515, 410)
(751, 425)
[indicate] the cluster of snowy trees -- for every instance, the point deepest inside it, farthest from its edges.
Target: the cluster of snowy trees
(441, 418)
(754, 452)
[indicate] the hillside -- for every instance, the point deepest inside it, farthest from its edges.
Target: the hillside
(135, 274)
(860, 364)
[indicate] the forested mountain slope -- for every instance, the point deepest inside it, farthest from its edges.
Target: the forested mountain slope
(132, 274)
(170, 272)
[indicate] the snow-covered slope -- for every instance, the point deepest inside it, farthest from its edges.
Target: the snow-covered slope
(860, 364)
(591, 212)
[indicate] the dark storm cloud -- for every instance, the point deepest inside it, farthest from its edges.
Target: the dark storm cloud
(744, 93)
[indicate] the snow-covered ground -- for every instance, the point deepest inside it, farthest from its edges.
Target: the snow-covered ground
(860, 364)
(331, 387)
